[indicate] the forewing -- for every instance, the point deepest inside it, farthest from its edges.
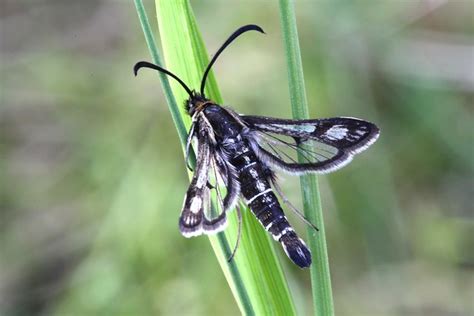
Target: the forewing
(323, 145)
(213, 176)
(196, 198)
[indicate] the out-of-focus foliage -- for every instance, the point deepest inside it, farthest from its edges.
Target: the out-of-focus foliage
(92, 177)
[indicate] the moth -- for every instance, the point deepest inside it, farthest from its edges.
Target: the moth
(241, 153)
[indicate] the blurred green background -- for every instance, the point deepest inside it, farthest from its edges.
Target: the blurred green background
(92, 174)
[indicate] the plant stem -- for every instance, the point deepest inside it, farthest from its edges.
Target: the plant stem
(254, 275)
(155, 55)
(320, 276)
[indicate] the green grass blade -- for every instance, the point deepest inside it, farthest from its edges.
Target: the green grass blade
(255, 275)
(170, 100)
(320, 276)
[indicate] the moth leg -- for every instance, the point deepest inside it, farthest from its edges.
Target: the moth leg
(272, 179)
(239, 233)
(188, 145)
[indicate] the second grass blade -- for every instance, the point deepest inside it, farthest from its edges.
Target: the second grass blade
(320, 276)
(255, 275)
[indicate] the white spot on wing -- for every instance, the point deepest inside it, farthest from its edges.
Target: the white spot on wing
(336, 132)
(196, 204)
(308, 128)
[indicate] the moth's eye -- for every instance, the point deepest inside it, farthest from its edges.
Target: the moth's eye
(190, 107)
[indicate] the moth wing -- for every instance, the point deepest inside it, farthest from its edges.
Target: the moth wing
(195, 200)
(323, 145)
(213, 176)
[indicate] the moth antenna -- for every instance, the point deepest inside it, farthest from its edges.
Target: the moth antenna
(145, 64)
(237, 33)
(239, 234)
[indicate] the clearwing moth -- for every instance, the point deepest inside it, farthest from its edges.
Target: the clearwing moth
(237, 156)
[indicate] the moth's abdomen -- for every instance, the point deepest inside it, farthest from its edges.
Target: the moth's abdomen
(296, 249)
(261, 199)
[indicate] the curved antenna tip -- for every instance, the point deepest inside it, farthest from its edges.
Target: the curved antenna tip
(253, 27)
(145, 64)
(139, 65)
(232, 37)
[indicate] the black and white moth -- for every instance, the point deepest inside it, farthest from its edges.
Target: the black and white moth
(241, 154)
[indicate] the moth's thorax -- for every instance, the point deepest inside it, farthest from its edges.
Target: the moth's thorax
(223, 124)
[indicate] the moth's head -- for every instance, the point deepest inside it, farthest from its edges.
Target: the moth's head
(196, 103)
